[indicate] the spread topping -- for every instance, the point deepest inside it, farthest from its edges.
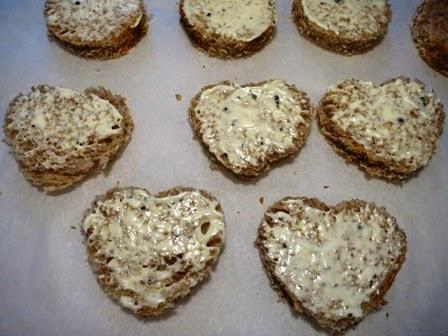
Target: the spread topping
(332, 261)
(351, 18)
(92, 20)
(59, 123)
(247, 124)
(397, 121)
(151, 243)
(240, 19)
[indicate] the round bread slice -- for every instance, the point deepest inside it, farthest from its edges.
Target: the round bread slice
(228, 28)
(334, 264)
(346, 27)
(96, 29)
(58, 136)
(390, 130)
(248, 127)
(149, 251)
(430, 34)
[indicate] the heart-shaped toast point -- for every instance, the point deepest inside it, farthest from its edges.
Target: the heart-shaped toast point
(334, 264)
(390, 130)
(246, 128)
(149, 251)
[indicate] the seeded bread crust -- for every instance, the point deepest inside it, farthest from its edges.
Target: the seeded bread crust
(343, 144)
(220, 46)
(376, 300)
(265, 165)
(115, 45)
(110, 285)
(333, 42)
(430, 34)
(75, 169)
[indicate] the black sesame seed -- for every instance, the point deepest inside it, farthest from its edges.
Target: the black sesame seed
(254, 96)
(400, 120)
(209, 14)
(424, 100)
(143, 208)
(225, 109)
(338, 1)
(359, 227)
(77, 3)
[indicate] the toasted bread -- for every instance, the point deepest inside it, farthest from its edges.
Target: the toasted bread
(430, 34)
(149, 251)
(96, 29)
(228, 28)
(334, 264)
(390, 130)
(58, 136)
(346, 27)
(247, 128)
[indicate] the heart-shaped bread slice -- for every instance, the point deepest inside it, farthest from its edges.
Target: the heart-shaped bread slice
(248, 127)
(334, 264)
(149, 251)
(390, 130)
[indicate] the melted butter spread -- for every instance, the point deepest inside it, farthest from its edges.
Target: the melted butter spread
(59, 122)
(331, 261)
(93, 20)
(352, 18)
(239, 19)
(149, 240)
(246, 124)
(397, 121)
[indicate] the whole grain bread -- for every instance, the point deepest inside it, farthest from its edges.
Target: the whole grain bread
(96, 29)
(333, 264)
(43, 128)
(347, 27)
(389, 130)
(430, 34)
(232, 43)
(155, 278)
(253, 153)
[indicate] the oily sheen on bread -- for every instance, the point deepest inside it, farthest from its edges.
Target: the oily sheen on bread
(148, 251)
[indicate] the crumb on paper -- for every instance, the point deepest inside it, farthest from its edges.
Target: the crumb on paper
(178, 97)
(73, 227)
(261, 200)
(326, 187)
(238, 212)
(203, 66)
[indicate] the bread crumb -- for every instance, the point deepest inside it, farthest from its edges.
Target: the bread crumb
(178, 97)
(261, 200)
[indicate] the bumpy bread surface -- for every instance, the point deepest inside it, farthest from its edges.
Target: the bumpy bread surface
(224, 46)
(430, 33)
(178, 285)
(107, 36)
(341, 43)
(301, 132)
(382, 283)
(97, 154)
(366, 156)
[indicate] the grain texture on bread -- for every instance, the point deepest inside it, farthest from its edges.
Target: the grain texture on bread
(59, 136)
(96, 29)
(390, 130)
(146, 251)
(247, 128)
(430, 33)
(334, 264)
(346, 27)
(227, 28)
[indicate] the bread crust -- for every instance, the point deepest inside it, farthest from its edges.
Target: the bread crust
(343, 144)
(331, 41)
(102, 156)
(116, 45)
(109, 284)
(221, 46)
(376, 299)
(264, 165)
(430, 34)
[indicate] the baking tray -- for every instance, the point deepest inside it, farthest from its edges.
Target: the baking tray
(46, 284)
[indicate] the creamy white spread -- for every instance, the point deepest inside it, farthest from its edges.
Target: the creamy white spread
(331, 261)
(240, 19)
(93, 20)
(149, 241)
(396, 121)
(246, 124)
(60, 123)
(352, 18)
